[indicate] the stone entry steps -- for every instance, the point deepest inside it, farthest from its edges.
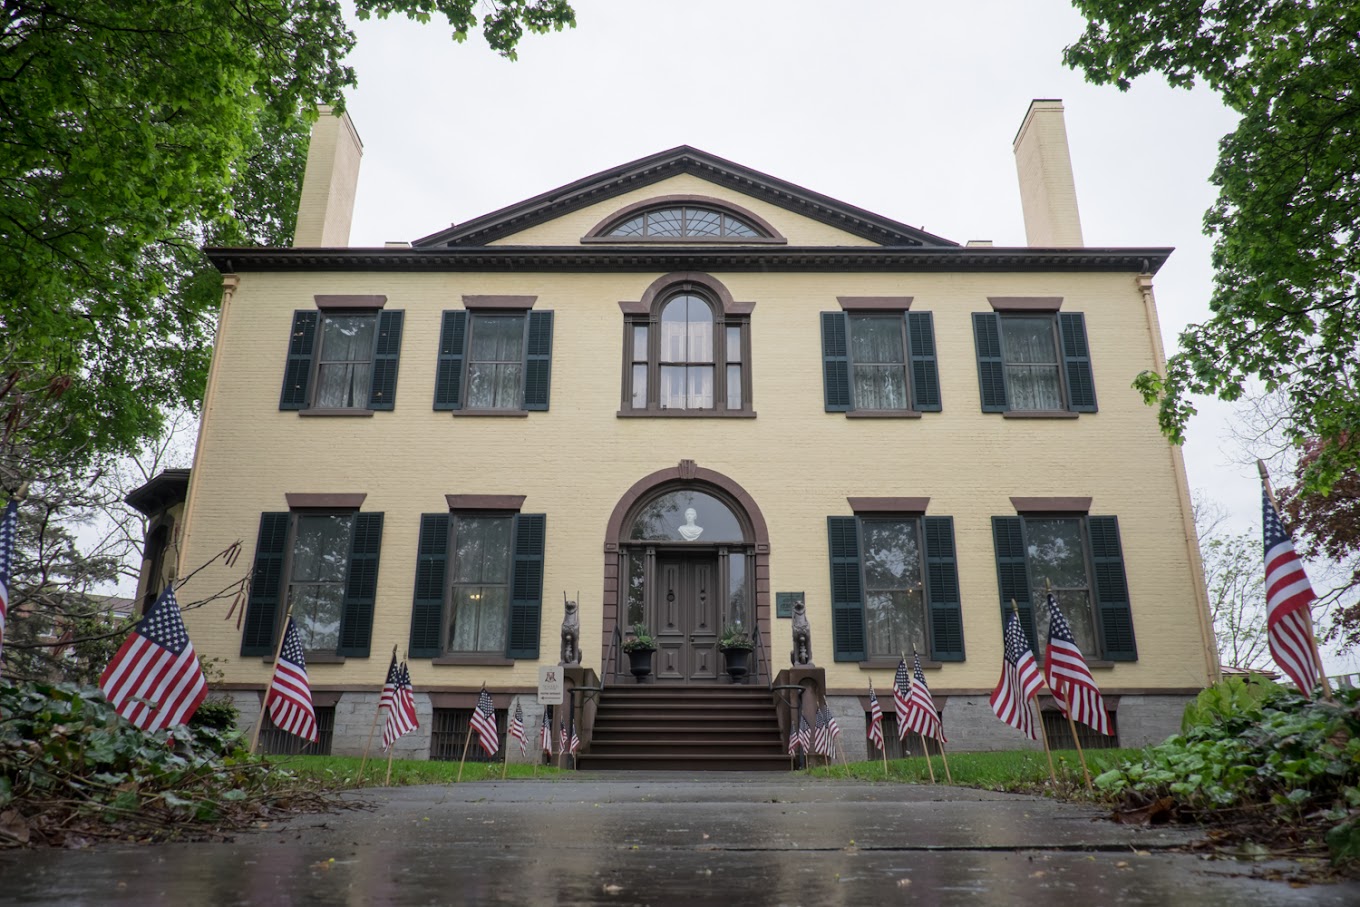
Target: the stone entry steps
(678, 727)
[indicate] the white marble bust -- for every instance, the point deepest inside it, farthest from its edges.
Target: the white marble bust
(690, 532)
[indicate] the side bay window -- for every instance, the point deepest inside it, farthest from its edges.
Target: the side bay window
(880, 360)
(1033, 361)
(343, 356)
(1080, 559)
(321, 561)
(479, 584)
(894, 587)
(496, 361)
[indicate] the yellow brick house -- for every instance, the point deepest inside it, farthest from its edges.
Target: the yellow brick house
(685, 393)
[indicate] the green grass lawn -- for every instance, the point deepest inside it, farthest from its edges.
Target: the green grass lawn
(1007, 771)
(1021, 770)
(343, 771)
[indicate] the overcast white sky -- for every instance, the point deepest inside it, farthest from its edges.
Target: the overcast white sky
(905, 108)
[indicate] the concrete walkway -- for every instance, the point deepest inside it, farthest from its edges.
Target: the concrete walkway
(628, 839)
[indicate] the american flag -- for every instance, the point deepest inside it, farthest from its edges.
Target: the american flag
(389, 691)
(154, 680)
(290, 695)
(1289, 622)
(401, 709)
(545, 733)
(901, 695)
(1068, 678)
(562, 741)
(921, 715)
(1020, 682)
(484, 723)
(875, 718)
(517, 730)
(9, 528)
(821, 740)
(804, 734)
(575, 743)
(833, 728)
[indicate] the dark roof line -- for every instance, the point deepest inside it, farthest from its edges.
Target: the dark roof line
(584, 259)
(644, 171)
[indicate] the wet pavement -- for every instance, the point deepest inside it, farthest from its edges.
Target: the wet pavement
(661, 839)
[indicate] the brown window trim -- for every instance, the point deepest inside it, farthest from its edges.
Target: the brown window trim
(686, 414)
(1042, 414)
(504, 303)
(360, 413)
(596, 234)
(470, 658)
(1051, 505)
(880, 414)
(502, 413)
(313, 658)
(878, 663)
(1025, 303)
(875, 303)
(336, 302)
(325, 500)
(910, 506)
(485, 501)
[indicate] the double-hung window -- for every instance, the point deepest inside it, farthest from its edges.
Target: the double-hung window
(1080, 560)
(494, 361)
(687, 354)
(880, 360)
(894, 586)
(479, 582)
(322, 563)
(343, 358)
(1033, 362)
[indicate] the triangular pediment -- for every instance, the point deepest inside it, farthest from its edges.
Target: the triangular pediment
(783, 212)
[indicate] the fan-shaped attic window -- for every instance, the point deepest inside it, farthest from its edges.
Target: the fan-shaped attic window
(684, 219)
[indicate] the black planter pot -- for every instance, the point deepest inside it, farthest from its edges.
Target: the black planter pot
(640, 663)
(738, 664)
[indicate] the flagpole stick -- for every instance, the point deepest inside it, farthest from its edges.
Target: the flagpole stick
(505, 762)
(1043, 735)
(264, 704)
(925, 748)
(1080, 755)
(461, 761)
(391, 751)
(947, 776)
(374, 725)
(1312, 636)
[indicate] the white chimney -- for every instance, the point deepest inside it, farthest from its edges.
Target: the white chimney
(328, 186)
(1048, 193)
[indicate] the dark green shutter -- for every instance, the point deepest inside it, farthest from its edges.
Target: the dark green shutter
(427, 610)
(1081, 387)
(1112, 589)
(925, 376)
(383, 394)
(297, 374)
(847, 600)
(946, 611)
(526, 596)
(448, 381)
(266, 581)
(538, 361)
(836, 362)
(361, 586)
(991, 369)
(1012, 578)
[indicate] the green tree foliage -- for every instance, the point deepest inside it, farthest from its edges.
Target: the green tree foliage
(1286, 224)
(133, 132)
(1328, 528)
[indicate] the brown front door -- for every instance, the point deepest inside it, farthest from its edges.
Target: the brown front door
(686, 608)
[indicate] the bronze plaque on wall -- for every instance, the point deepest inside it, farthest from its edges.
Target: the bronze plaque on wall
(783, 603)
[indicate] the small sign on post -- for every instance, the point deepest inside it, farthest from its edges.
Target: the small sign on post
(550, 685)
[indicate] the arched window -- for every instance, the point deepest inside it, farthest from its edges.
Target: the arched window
(683, 222)
(688, 354)
(684, 219)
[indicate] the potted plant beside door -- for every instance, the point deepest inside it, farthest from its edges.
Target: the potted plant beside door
(736, 645)
(640, 645)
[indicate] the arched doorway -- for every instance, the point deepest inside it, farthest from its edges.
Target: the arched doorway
(686, 554)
